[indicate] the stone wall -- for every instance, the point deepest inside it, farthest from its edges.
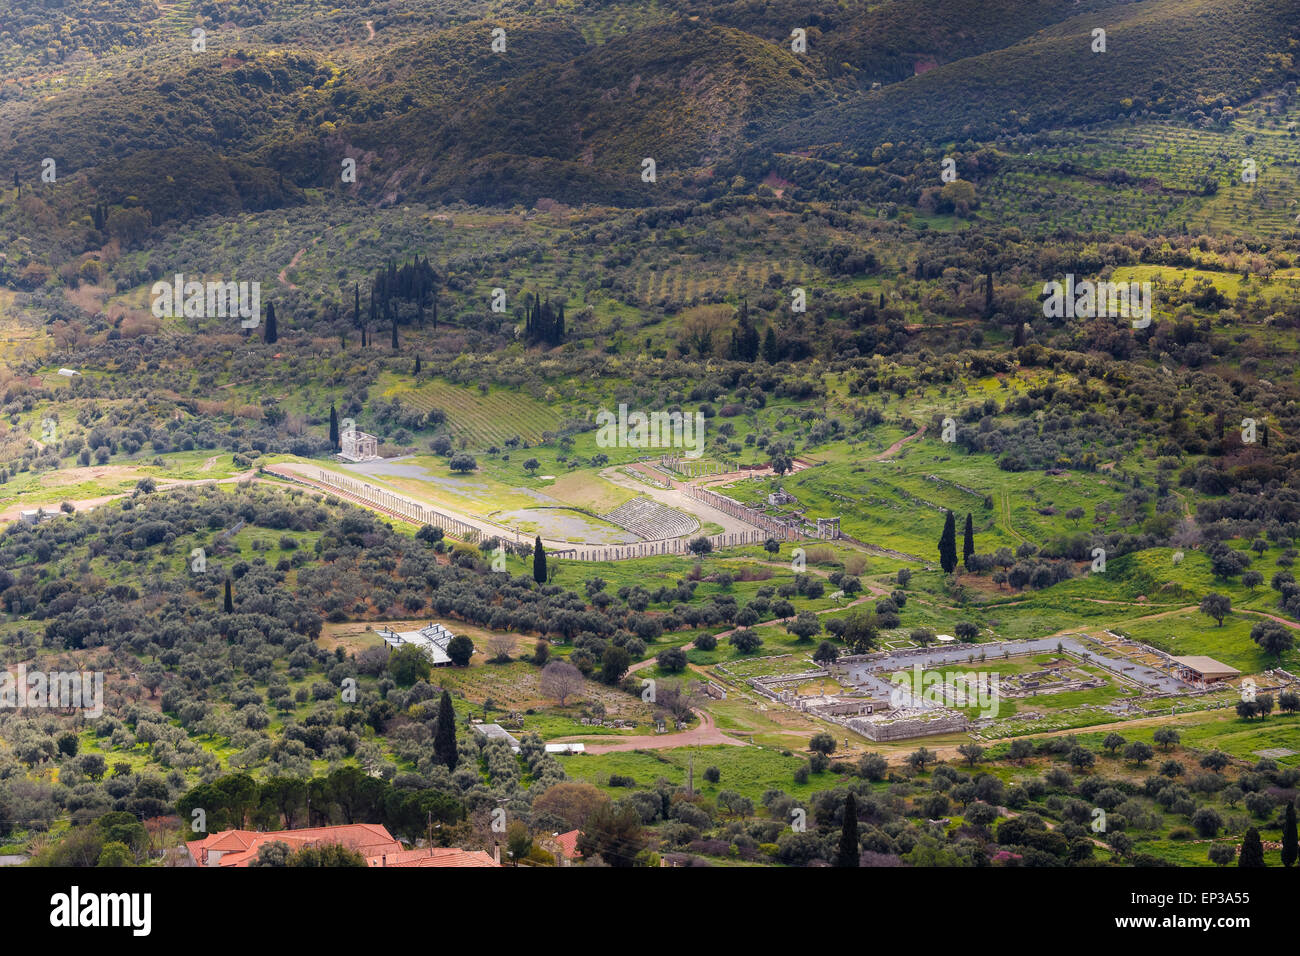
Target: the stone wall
(903, 727)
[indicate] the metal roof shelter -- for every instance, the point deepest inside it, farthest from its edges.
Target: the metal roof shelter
(1205, 669)
(497, 732)
(433, 638)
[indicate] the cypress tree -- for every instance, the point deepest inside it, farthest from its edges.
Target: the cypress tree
(1252, 851)
(230, 601)
(988, 294)
(356, 304)
(968, 542)
(539, 561)
(444, 739)
(1290, 844)
(417, 365)
(394, 332)
(334, 428)
(849, 854)
(948, 544)
(271, 334)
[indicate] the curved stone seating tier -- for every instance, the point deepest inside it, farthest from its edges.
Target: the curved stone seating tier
(650, 520)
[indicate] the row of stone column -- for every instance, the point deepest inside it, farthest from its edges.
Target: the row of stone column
(647, 549)
(401, 506)
(735, 509)
(696, 468)
(457, 529)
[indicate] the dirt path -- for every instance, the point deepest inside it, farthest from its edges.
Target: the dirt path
(1183, 610)
(897, 446)
(706, 734)
(370, 28)
(1012, 814)
(950, 752)
(650, 661)
(1004, 512)
(14, 512)
(875, 589)
(293, 264)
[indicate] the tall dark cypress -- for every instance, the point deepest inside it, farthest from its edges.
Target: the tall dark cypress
(539, 561)
(271, 333)
(948, 544)
(1290, 845)
(444, 738)
(334, 428)
(968, 542)
(356, 304)
(849, 854)
(394, 333)
(1252, 850)
(230, 601)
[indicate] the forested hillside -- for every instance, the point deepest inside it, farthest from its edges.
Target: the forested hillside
(963, 333)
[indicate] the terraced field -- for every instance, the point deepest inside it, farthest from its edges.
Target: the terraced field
(1156, 175)
(484, 420)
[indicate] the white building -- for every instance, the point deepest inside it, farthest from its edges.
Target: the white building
(497, 732)
(358, 446)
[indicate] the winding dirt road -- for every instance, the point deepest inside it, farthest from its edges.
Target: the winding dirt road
(704, 735)
(897, 446)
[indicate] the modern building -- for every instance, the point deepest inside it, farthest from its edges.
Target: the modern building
(239, 847)
(433, 638)
(1201, 671)
(497, 732)
(566, 748)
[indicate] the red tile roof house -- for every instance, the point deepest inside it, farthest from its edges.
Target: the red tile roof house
(564, 847)
(435, 856)
(374, 842)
